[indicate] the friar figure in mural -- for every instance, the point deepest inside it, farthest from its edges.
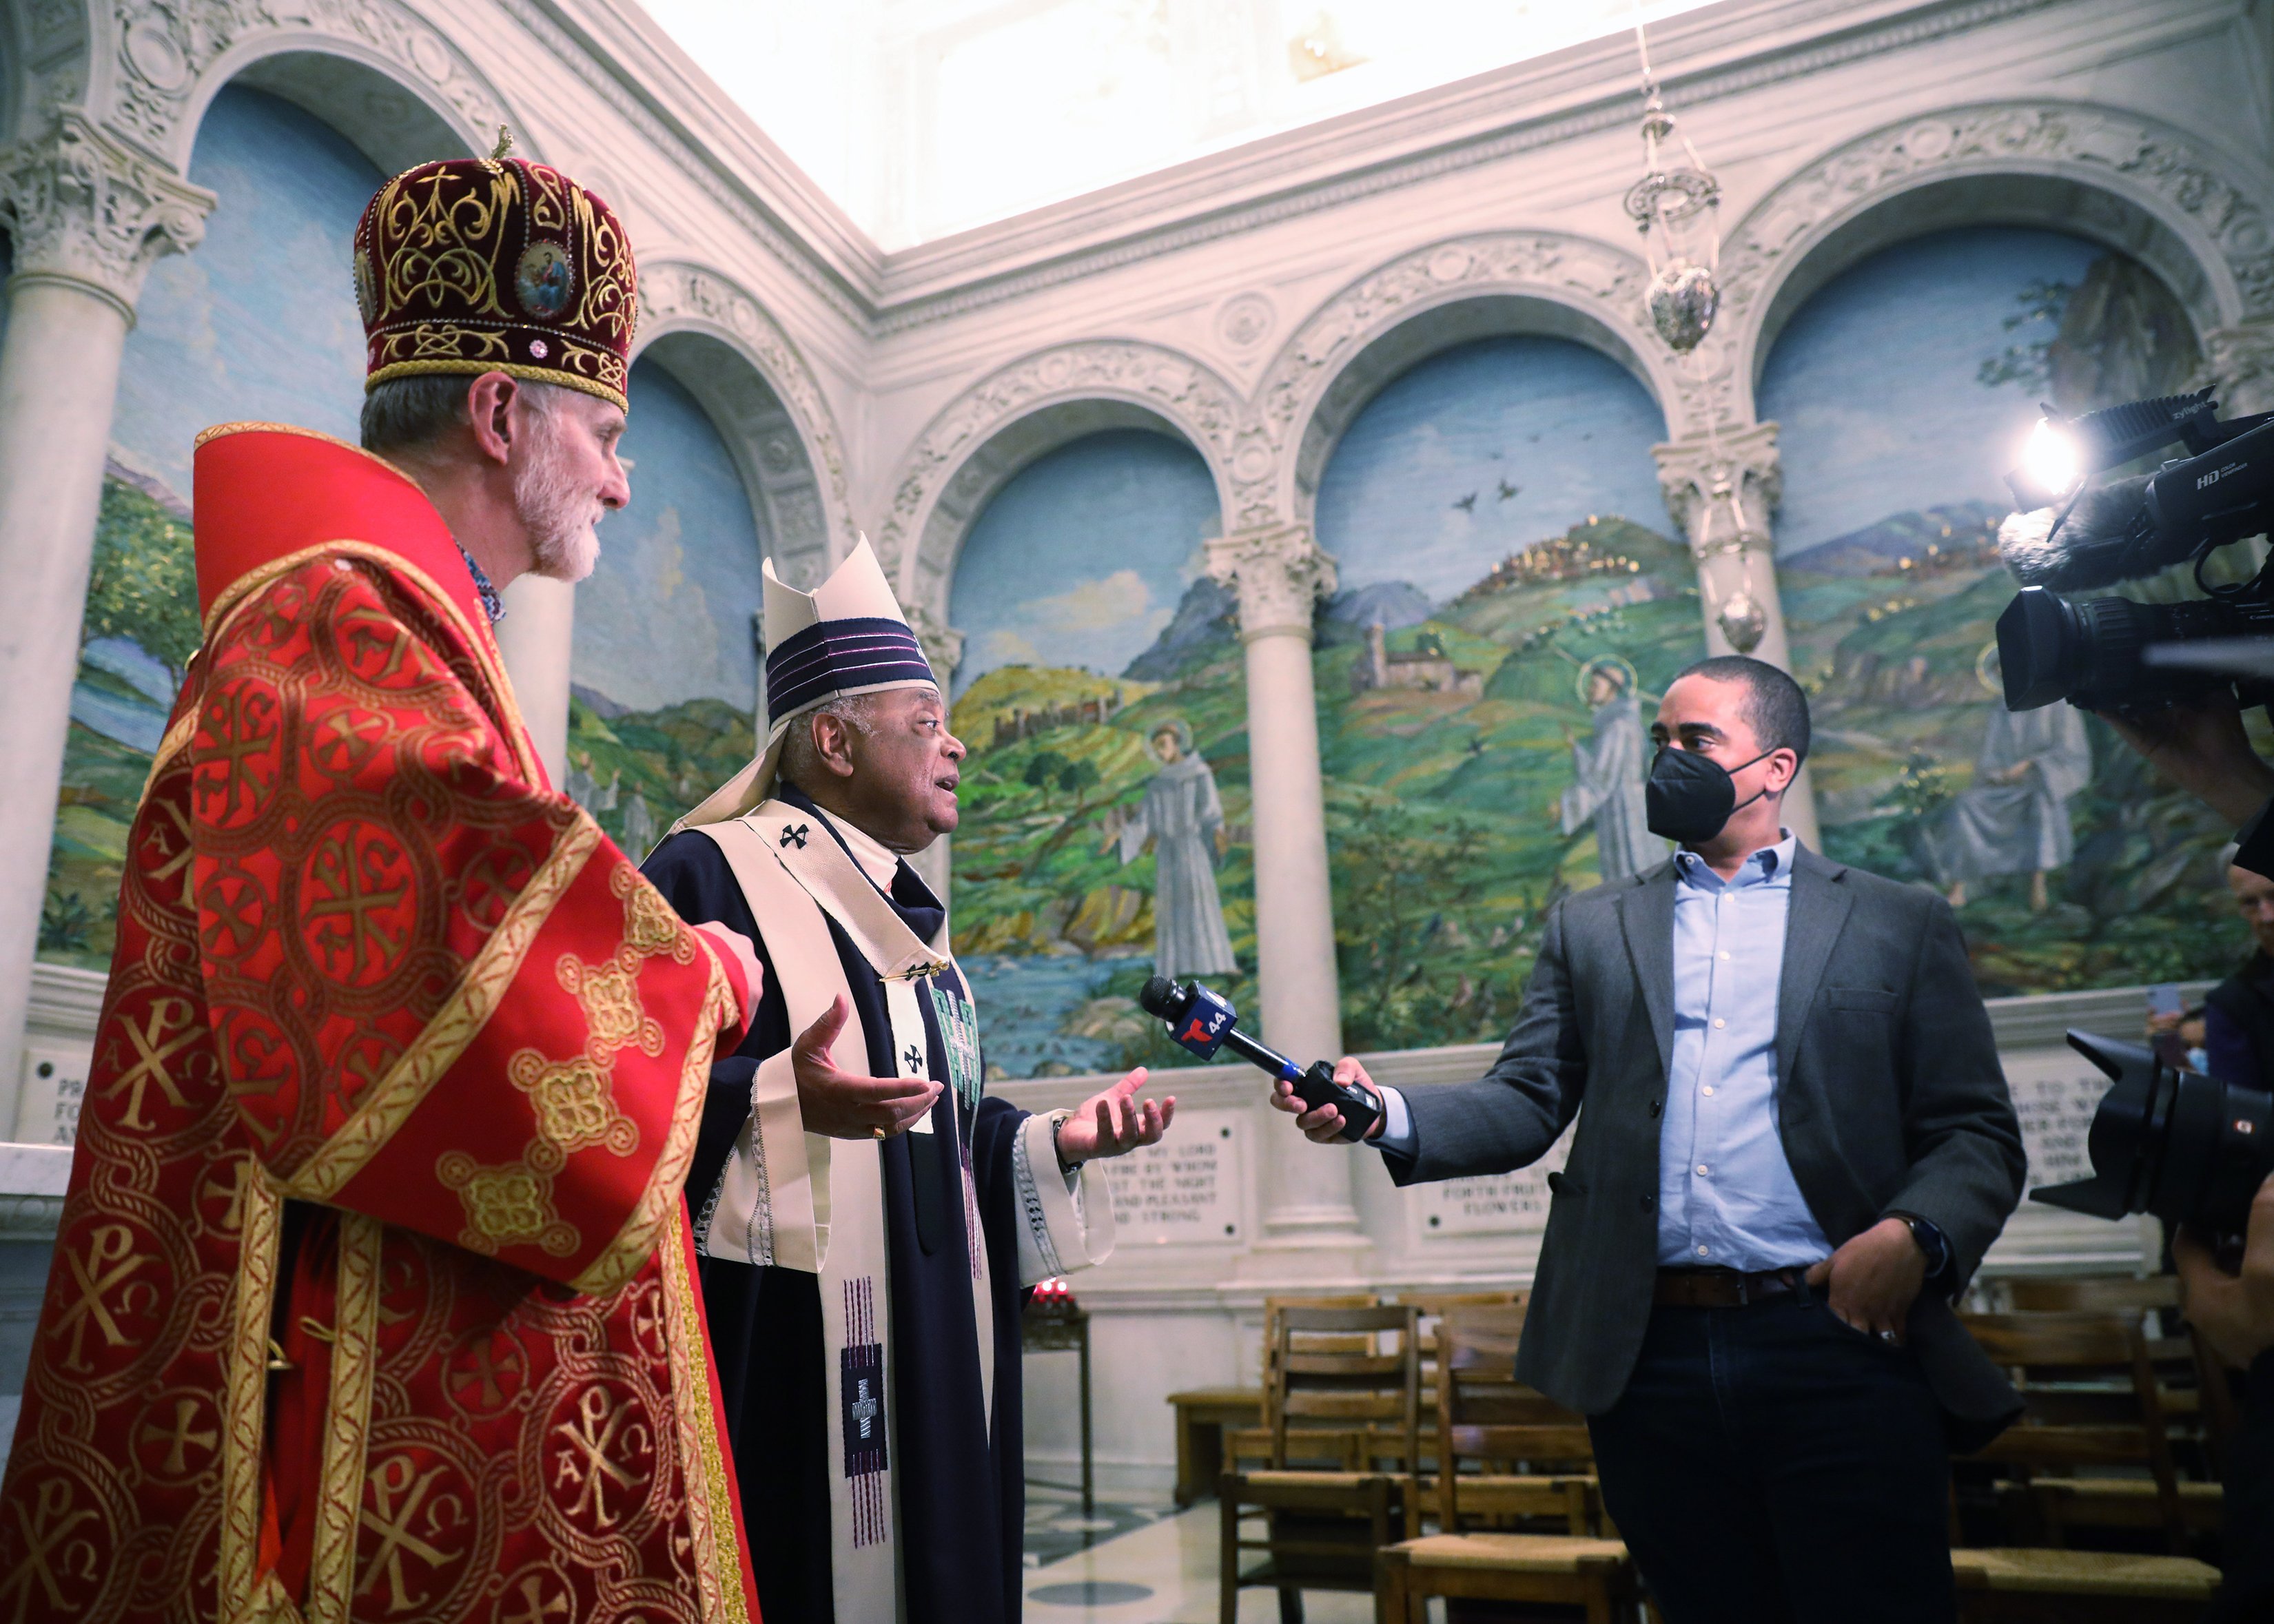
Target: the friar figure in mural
(1183, 817)
(373, 1287)
(2015, 818)
(870, 1220)
(1608, 771)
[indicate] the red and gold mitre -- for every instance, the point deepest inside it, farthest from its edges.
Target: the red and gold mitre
(476, 264)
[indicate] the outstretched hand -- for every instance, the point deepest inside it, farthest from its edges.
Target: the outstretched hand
(844, 1105)
(1113, 1123)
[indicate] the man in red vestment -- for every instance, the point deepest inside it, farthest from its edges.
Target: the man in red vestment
(372, 1297)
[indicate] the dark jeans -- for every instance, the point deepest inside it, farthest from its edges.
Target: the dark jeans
(1769, 1465)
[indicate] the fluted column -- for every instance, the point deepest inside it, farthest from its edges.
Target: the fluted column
(1722, 493)
(943, 649)
(536, 638)
(1279, 574)
(87, 216)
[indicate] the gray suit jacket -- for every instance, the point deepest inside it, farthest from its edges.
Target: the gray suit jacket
(1889, 1093)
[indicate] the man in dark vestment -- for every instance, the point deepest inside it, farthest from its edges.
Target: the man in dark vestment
(859, 1197)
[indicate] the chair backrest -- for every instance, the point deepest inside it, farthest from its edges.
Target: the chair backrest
(1330, 1367)
(2091, 1394)
(2092, 1293)
(1485, 1416)
(1273, 1305)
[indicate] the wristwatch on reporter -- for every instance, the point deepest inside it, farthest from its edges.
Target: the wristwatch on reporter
(1931, 1243)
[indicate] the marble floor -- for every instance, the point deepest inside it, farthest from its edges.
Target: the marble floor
(1162, 1572)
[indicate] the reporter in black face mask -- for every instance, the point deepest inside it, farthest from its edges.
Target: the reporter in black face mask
(1794, 1146)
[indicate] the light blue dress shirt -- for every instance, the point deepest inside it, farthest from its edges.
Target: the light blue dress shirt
(1726, 1194)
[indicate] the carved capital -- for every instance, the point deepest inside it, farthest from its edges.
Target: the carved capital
(2241, 362)
(943, 644)
(84, 208)
(1278, 573)
(1699, 477)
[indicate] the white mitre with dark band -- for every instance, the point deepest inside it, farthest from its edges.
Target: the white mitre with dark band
(847, 636)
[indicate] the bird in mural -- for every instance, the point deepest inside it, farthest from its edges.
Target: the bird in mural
(1467, 504)
(1508, 490)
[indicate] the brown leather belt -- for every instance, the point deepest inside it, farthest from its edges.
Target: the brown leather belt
(1724, 1288)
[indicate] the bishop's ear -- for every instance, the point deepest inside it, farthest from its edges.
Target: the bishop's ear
(833, 743)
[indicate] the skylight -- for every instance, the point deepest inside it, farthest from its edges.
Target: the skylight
(923, 117)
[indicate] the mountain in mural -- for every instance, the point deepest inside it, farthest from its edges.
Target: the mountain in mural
(1204, 629)
(1391, 604)
(1946, 534)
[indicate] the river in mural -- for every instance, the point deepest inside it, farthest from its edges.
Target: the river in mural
(1105, 823)
(1905, 388)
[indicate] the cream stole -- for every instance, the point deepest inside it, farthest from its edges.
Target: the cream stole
(798, 1200)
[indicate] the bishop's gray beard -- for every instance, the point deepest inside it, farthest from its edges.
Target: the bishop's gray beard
(557, 510)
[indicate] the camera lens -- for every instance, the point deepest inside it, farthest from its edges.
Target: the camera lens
(2187, 1148)
(2088, 650)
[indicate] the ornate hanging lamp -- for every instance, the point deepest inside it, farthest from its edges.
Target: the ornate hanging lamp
(1676, 207)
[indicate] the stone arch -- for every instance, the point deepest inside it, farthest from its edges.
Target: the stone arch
(1541, 282)
(718, 342)
(991, 431)
(379, 74)
(2195, 216)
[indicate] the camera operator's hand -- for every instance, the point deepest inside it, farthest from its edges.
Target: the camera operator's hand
(2199, 746)
(2235, 1312)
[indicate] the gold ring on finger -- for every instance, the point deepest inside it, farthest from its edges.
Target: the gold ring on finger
(879, 1133)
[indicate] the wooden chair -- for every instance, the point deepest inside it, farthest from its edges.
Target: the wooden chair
(1485, 1417)
(1432, 1307)
(1325, 1369)
(2197, 1399)
(2094, 1448)
(1322, 1447)
(2092, 1399)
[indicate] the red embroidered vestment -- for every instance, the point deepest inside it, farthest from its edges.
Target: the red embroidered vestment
(372, 1297)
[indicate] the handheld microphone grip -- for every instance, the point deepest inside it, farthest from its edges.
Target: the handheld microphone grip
(1201, 1022)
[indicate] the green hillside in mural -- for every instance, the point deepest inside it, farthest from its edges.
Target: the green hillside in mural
(140, 630)
(1054, 754)
(1446, 742)
(637, 770)
(1892, 631)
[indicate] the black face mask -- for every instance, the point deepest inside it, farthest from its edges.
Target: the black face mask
(1690, 797)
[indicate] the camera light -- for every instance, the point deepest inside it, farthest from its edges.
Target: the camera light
(2052, 463)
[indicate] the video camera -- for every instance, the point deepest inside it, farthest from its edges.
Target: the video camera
(2186, 1148)
(2107, 653)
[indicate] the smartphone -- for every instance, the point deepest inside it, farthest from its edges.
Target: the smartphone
(2164, 1000)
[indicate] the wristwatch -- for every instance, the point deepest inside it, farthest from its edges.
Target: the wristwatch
(1929, 1241)
(1058, 1119)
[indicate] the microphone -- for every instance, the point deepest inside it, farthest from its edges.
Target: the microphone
(1201, 1022)
(2108, 537)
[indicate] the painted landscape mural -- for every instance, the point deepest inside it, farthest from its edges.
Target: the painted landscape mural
(1105, 812)
(260, 323)
(665, 669)
(1511, 608)
(1905, 388)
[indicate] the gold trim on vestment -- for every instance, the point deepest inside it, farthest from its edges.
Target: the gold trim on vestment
(660, 1203)
(710, 1498)
(460, 1020)
(272, 1604)
(245, 1390)
(347, 1420)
